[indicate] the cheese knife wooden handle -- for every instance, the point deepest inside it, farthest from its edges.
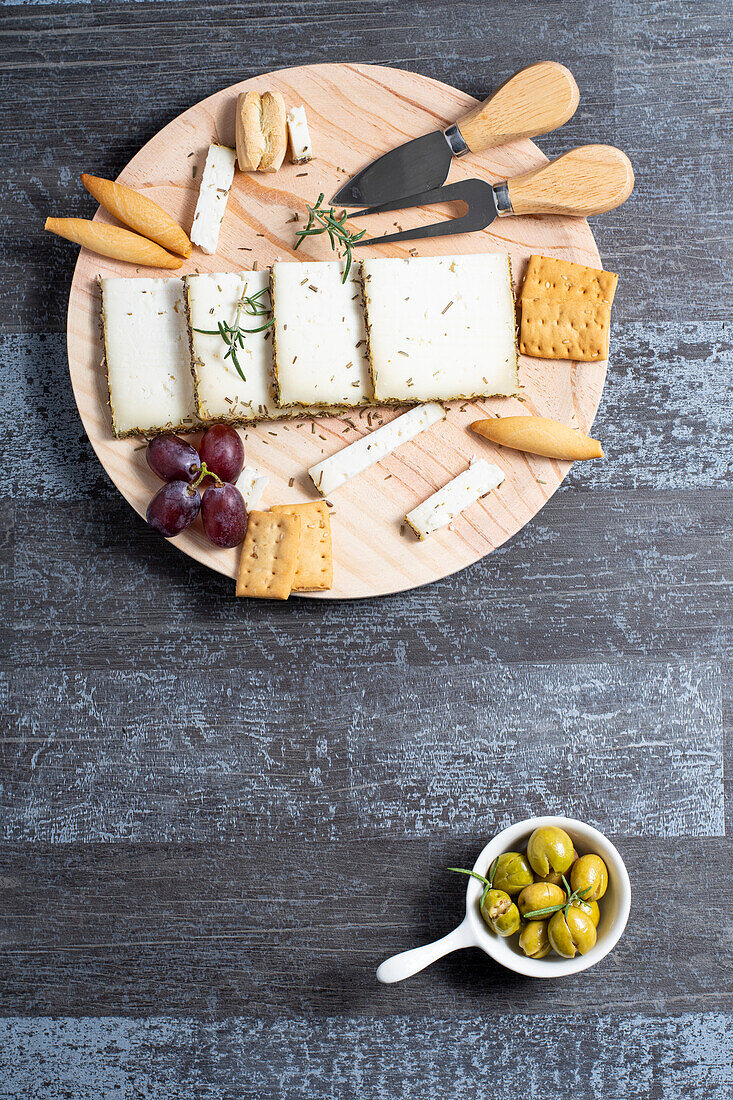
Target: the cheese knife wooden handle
(533, 101)
(587, 180)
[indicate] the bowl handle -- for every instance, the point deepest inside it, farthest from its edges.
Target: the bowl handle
(407, 963)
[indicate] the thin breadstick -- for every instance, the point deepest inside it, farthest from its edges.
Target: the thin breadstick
(539, 436)
(110, 240)
(139, 212)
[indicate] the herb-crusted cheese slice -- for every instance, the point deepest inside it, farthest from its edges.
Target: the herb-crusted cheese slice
(147, 355)
(320, 336)
(221, 392)
(341, 467)
(441, 328)
(444, 506)
(216, 181)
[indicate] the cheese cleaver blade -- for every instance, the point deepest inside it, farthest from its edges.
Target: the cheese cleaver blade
(533, 101)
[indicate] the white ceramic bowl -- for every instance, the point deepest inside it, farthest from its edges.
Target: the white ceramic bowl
(614, 906)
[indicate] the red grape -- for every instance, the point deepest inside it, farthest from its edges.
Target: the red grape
(173, 459)
(223, 452)
(173, 508)
(224, 515)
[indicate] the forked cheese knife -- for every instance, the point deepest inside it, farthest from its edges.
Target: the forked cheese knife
(590, 179)
(534, 101)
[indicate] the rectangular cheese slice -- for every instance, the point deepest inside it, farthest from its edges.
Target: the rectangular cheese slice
(440, 328)
(147, 355)
(301, 149)
(370, 449)
(320, 335)
(444, 506)
(221, 393)
(216, 181)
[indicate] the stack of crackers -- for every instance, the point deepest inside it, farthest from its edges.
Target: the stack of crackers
(287, 549)
(566, 310)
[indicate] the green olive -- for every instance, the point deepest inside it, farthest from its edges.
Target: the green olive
(589, 907)
(500, 912)
(533, 939)
(540, 895)
(554, 876)
(571, 933)
(590, 873)
(512, 873)
(550, 849)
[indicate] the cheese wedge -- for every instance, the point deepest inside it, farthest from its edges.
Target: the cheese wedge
(147, 355)
(216, 181)
(440, 328)
(320, 336)
(301, 150)
(251, 484)
(220, 391)
(335, 471)
(444, 506)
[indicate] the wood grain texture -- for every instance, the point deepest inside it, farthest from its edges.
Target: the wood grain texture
(135, 907)
(684, 1056)
(600, 573)
(224, 928)
(374, 551)
(539, 98)
(149, 744)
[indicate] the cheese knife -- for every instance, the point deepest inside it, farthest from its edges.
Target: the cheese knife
(534, 101)
(587, 180)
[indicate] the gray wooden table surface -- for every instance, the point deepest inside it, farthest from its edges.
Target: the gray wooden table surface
(218, 817)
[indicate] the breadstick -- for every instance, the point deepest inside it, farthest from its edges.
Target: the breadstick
(110, 240)
(539, 436)
(140, 213)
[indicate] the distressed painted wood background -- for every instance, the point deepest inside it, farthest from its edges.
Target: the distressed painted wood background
(217, 818)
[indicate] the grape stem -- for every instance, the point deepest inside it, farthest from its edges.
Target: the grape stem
(206, 472)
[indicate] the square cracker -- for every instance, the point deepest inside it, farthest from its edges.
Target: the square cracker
(315, 556)
(550, 278)
(566, 310)
(553, 329)
(269, 556)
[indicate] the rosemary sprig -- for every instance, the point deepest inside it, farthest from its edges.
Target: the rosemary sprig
(233, 335)
(572, 897)
(324, 219)
(487, 882)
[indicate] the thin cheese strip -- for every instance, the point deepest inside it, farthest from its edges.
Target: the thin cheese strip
(442, 507)
(301, 149)
(335, 471)
(251, 484)
(213, 194)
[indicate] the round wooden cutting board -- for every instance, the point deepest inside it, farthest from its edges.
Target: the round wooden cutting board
(355, 113)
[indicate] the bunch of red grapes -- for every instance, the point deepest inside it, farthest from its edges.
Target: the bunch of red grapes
(214, 467)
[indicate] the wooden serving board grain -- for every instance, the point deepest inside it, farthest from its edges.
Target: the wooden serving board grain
(355, 113)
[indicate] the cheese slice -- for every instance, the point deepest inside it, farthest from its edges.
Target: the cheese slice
(335, 471)
(441, 328)
(221, 393)
(216, 181)
(444, 506)
(251, 484)
(147, 355)
(301, 149)
(320, 336)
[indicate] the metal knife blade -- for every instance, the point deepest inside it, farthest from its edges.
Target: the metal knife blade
(418, 165)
